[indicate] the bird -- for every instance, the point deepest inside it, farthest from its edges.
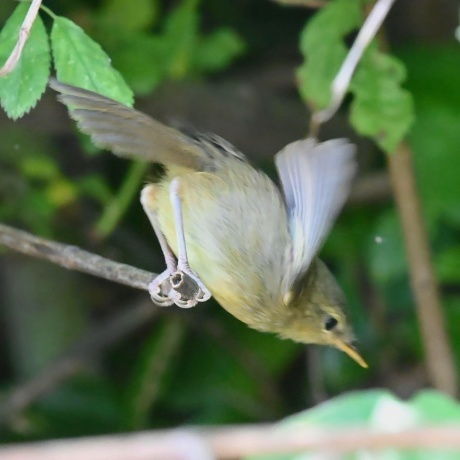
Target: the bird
(227, 229)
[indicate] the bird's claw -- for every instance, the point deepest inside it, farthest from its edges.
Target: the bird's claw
(161, 291)
(182, 287)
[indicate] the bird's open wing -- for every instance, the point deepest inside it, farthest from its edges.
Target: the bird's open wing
(128, 132)
(316, 179)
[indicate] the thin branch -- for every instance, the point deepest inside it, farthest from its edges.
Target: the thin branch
(87, 349)
(74, 258)
(24, 33)
(343, 77)
(439, 356)
(167, 345)
(235, 442)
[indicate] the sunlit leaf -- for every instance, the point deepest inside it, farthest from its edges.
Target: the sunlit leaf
(80, 61)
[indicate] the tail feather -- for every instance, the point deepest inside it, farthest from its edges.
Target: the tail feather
(127, 132)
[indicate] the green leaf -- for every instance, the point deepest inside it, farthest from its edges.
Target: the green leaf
(435, 139)
(322, 45)
(143, 75)
(80, 61)
(448, 265)
(435, 136)
(181, 33)
(128, 17)
(214, 383)
(381, 410)
(86, 404)
(381, 109)
(21, 89)
(216, 51)
(435, 407)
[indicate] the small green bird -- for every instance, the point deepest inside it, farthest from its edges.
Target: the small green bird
(228, 228)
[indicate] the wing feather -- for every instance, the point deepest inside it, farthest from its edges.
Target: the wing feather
(128, 132)
(316, 180)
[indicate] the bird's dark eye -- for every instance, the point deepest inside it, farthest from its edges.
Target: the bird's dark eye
(330, 323)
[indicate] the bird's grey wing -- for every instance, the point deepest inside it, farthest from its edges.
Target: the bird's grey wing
(316, 179)
(128, 132)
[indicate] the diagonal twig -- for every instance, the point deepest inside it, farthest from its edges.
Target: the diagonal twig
(342, 79)
(74, 258)
(24, 33)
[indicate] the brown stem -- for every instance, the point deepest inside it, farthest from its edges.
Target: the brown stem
(438, 351)
(74, 258)
(235, 442)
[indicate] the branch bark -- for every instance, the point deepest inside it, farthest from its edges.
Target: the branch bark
(234, 442)
(439, 357)
(74, 258)
(24, 33)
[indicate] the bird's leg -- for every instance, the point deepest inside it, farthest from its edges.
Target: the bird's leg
(184, 275)
(160, 288)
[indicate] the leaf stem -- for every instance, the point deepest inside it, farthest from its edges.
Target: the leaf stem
(117, 207)
(48, 12)
(343, 77)
(24, 33)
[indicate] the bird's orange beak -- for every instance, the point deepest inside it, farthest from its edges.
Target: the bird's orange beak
(351, 351)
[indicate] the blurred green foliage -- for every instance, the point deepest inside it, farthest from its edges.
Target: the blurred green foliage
(381, 108)
(203, 366)
(380, 410)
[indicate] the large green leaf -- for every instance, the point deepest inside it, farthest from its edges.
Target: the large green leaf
(80, 61)
(381, 410)
(21, 89)
(381, 108)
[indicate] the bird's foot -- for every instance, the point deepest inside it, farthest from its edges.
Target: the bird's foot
(189, 286)
(161, 290)
(182, 287)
